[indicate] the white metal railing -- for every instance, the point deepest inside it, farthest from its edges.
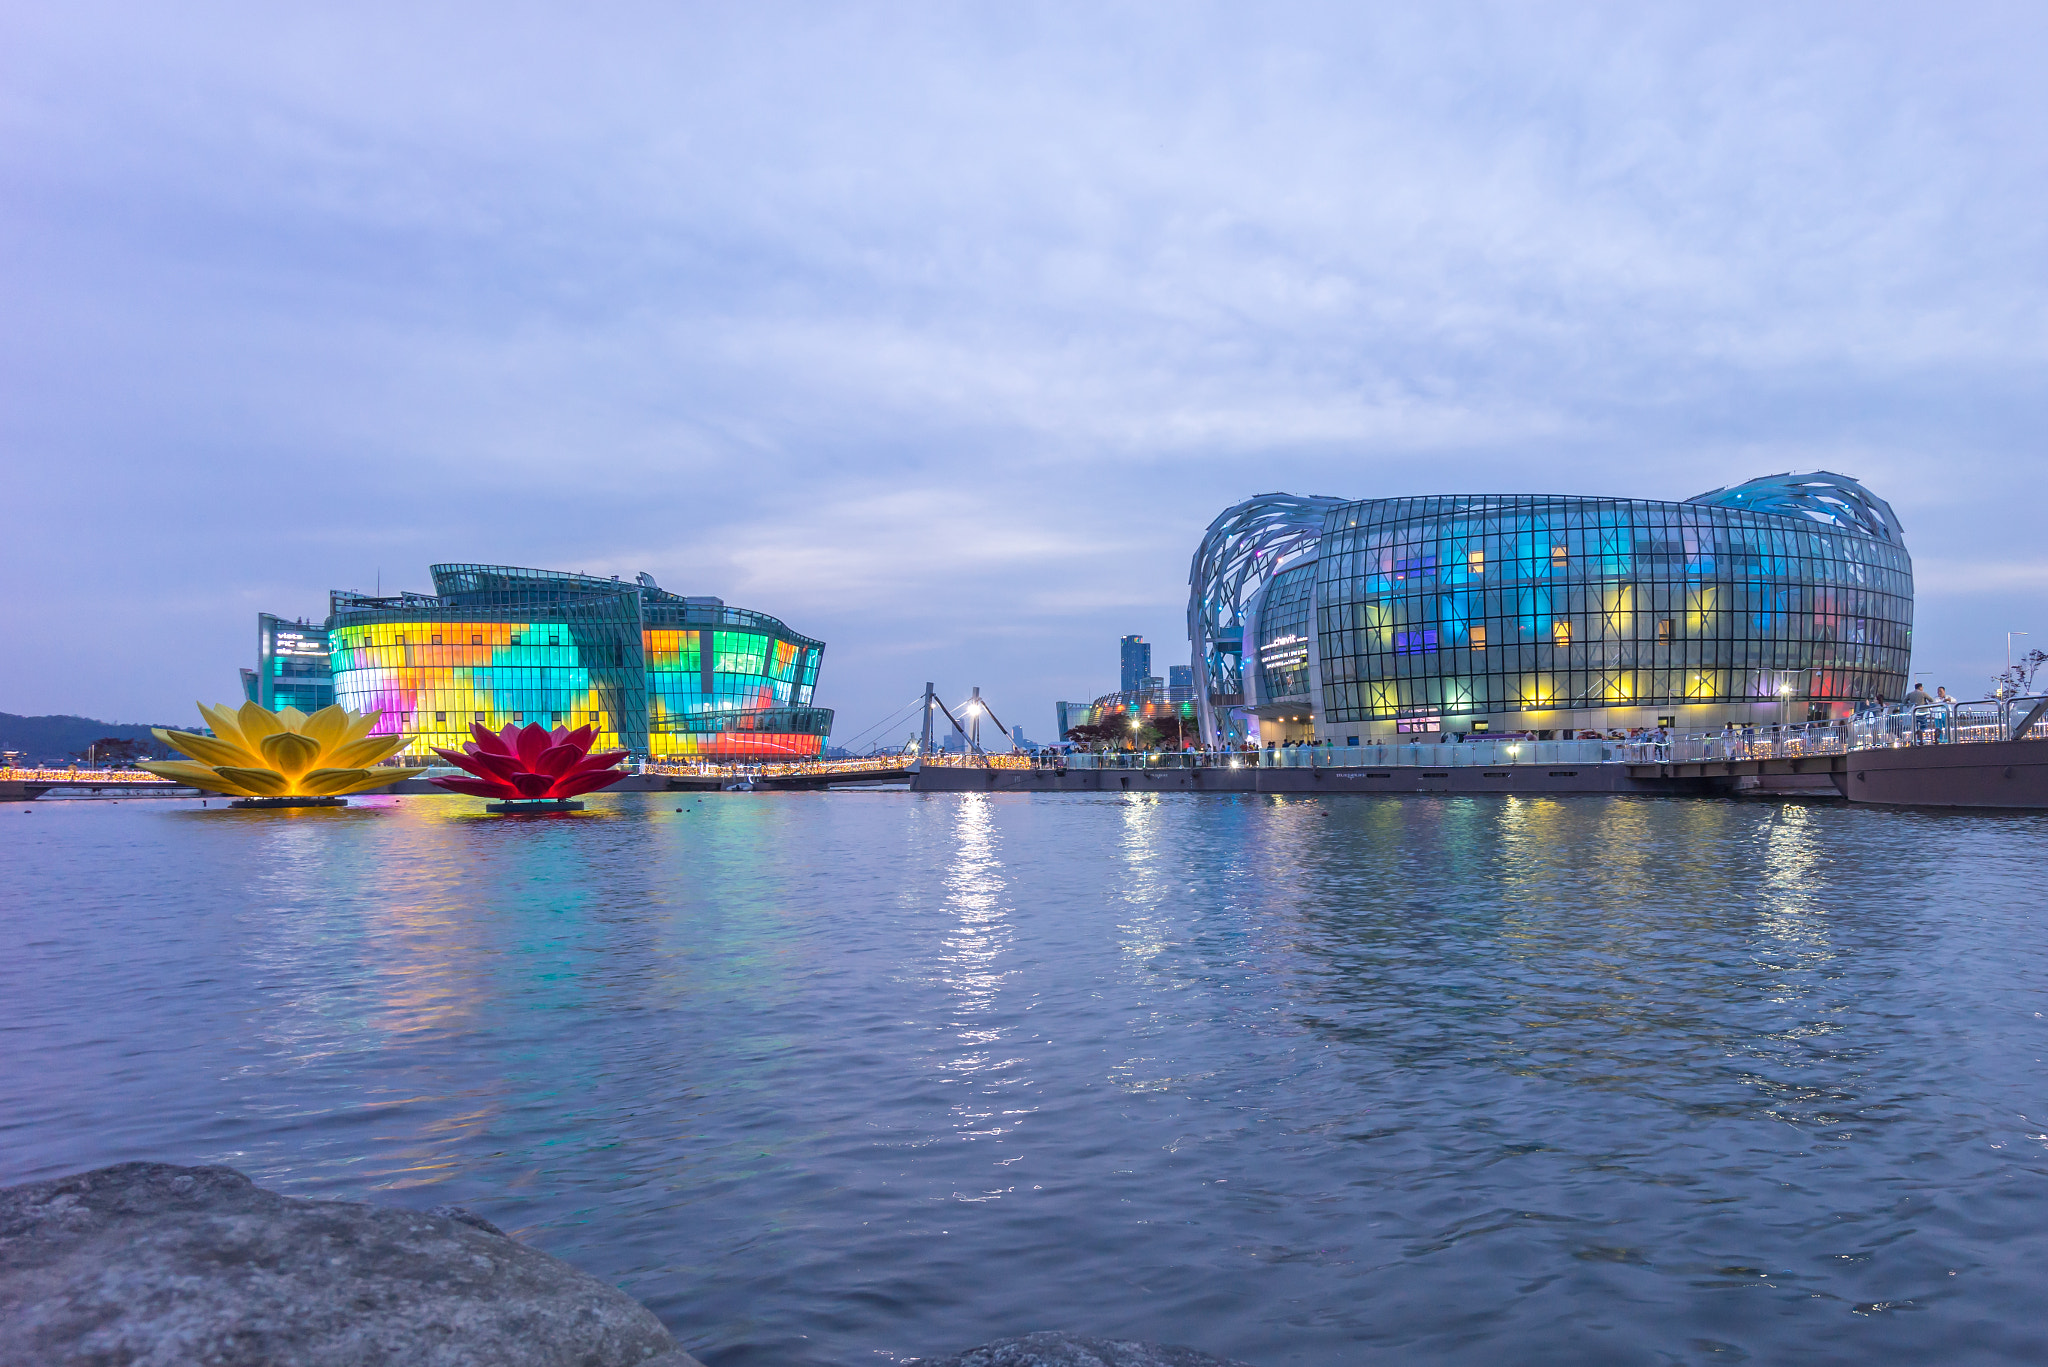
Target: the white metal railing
(1471, 755)
(1948, 723)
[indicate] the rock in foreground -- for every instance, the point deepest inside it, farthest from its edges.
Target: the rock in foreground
(1068, 1350)
(150, 1265)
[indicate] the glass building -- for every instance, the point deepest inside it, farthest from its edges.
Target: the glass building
(1135, 660)
(658, 674)
(1788, 598)
(292, 666)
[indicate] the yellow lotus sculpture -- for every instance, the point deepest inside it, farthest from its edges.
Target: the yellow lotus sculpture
(256, 752)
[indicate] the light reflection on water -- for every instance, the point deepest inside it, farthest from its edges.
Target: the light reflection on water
(1318, 1081)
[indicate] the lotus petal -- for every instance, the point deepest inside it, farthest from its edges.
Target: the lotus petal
(328, 782)
(256, 722)
(379, 778)
(328, 727)
(360, 754)
(291, 754)
(360, 726)
(292, 718)
(194, 776)
(492, 766)
(225, 726)
(583, 737)
(464, 761)
(262, 782)
(487, 740)
(533, 785)
(557, 760)
(475, 787)
(532, 743)
(203, 748)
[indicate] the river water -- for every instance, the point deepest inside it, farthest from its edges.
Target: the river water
(846, 1078)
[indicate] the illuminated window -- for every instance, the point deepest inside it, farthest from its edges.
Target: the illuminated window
(1415, 566)
(1561, 634)
(437, 640)
(1414, 642)
(478, 716)
(595, 717)
(515, 638)
(401, 639)
(476, 640)
(519, 717)
(1664, 629)
(1478, 638)
(1476, 562)
(1557, 556)
(441, 717)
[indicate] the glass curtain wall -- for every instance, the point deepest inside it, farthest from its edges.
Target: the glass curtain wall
(434, 666)
(748, 696)
(503, 645)
(1475, 605)
(1283, 633)
(292, 666)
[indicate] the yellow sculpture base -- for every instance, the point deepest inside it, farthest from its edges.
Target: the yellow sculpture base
(268, 802)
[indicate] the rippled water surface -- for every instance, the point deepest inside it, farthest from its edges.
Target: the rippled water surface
(843, 1078)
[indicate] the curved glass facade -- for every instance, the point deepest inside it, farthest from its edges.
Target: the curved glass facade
(1283, 633)
(501, 644)
(1779, 600)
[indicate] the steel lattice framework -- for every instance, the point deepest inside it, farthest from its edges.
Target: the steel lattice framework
(1821, 496)
(1243, 547)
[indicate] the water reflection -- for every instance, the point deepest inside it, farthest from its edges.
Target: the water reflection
(830, 1077)
(974, 944)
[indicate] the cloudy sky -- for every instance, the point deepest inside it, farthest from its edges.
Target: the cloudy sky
(941, 331)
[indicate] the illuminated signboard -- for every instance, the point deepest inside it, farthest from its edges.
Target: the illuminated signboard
(1287, 652)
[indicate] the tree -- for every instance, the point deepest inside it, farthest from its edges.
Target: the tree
(1175, 731)
(1115, 731)
(112, 750)
(2018, 679)
(1169, 730)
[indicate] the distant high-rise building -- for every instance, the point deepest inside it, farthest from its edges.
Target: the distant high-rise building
(1180, 676)
(1137, 659)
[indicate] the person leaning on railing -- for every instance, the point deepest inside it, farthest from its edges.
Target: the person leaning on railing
(1919, 700)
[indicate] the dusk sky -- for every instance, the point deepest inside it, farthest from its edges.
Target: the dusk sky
(941, 332)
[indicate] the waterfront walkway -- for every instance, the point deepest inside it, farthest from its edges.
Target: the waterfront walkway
(1985, 752)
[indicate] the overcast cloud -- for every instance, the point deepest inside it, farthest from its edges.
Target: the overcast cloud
(942, 331)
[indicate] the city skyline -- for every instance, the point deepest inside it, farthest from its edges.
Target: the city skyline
(947, 336)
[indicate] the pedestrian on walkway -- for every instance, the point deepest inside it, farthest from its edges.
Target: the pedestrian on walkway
(1919, 701)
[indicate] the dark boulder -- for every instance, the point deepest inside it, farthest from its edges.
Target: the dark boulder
(1069, 1350)
(150, 1265)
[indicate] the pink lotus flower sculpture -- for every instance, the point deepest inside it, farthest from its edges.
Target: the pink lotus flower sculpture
(530, 763)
